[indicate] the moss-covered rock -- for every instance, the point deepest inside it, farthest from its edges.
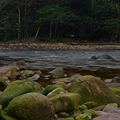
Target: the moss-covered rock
(91, 104)
(64, 85)
(83, 107)
(31, 106)
(49, 88)
(111, 107)
(115, 90)
(68, 118)
(63, 114)
(66, 102)
(9, 71)
(82, 117)
(37, 86)
(94, 89)
(56, 92)
(15, 89)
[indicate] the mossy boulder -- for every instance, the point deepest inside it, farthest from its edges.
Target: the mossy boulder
(49, 88)
(94, 89)
(66, 102)
(56, 92)
(9, 71)
(15, 89)
(37, 86)
(31, 106)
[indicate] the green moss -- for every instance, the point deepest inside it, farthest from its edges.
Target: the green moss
(115, 90)
(49, 88)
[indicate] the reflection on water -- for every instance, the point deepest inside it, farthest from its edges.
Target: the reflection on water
(67, 58)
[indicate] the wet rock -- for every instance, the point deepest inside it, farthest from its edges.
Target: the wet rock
(116, 80)
(112, 107)
(94, 89)
(114, 85)
(58, 72)
(99, 108)
(31, 106)
(34, 77)
(113, 116)
(66, 102)
(106, 56)
(15, 89)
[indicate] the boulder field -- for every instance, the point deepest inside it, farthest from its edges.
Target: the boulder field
(77, 97)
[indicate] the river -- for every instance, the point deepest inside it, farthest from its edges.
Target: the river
(80, 59)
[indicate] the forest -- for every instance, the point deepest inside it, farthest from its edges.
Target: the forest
(57, 19)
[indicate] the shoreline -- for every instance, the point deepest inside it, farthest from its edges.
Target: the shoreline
(60, 46)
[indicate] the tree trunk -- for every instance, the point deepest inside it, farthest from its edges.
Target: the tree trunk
(50, 33)
(37, 32)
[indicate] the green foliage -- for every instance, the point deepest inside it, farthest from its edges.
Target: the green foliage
(85, 19)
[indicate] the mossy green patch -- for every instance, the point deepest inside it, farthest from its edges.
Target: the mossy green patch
(49, 88)
(66, 102)
(115, 90)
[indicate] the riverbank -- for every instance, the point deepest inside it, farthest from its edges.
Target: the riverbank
(59, 46)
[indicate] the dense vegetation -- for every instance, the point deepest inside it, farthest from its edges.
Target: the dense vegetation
(83, 19)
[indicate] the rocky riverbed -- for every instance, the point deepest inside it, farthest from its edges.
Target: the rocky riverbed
(59, 46)
(24, 96)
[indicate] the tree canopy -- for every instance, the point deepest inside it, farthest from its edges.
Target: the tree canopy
(83, 19)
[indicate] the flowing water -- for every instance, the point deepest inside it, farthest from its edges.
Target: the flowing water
(80, 59)
(69, 58)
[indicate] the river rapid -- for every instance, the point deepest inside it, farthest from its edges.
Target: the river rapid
(77, 59)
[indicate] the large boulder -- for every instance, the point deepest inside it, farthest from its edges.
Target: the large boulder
(31, 106)
(94, 89)
(66, 102)
(15, 89)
